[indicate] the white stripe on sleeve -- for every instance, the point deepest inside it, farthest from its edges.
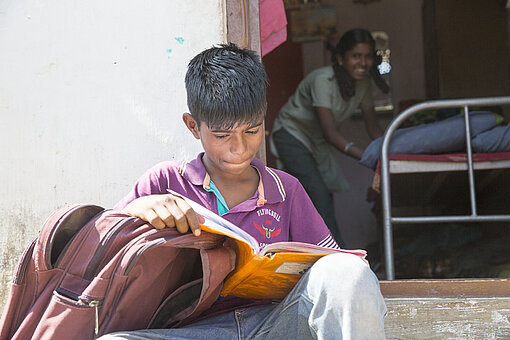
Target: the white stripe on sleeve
(328, 242)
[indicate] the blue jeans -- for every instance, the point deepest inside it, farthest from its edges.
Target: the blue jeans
(338, 298)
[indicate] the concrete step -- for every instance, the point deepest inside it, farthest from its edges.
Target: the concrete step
(447, 309)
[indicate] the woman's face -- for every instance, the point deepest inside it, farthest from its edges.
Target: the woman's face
(358, 61)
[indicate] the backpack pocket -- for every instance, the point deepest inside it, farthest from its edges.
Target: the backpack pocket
(67, 317)
(58, 232)
(177, 306)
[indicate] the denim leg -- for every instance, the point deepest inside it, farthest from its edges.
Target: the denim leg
(231, 325)
(222, 326)
(338, 298)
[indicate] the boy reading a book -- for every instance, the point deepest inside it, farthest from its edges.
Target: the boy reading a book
(338, 298)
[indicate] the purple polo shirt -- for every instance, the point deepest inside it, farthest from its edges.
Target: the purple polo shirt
(280, 210)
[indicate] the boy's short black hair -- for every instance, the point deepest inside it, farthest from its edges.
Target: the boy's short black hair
(226, 86)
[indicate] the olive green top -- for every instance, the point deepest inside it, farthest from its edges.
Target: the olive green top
(298, 117)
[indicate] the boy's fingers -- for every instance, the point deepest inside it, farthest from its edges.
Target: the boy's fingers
(201, 219)
(166, 211)
(191, 216)
(165, 216)
(180, 221)
(152, 217)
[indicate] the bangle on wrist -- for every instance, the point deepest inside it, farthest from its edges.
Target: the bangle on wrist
(348, 146)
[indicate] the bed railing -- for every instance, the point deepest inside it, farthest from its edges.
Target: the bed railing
(388, 219)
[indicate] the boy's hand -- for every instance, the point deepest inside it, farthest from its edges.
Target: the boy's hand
(166, 211)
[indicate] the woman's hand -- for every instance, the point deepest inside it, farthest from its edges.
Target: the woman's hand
(166, 211)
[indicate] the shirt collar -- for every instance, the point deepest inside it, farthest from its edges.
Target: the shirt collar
(270, 189)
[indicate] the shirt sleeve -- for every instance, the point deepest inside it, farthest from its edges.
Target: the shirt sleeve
(147, 184)
(321, 92)
(306, 224)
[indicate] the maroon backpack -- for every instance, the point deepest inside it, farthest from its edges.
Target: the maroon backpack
(93, 271)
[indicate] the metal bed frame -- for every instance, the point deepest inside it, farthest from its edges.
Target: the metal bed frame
(388, 219)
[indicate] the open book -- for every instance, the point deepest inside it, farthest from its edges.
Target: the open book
(263, 273)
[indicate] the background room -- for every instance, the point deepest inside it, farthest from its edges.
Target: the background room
(434, 50)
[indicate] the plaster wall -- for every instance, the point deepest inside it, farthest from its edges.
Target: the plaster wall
(91, 95)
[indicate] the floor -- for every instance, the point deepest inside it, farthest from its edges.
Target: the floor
(452, 251)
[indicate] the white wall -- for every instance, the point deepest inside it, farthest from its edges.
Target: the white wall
(91, 95)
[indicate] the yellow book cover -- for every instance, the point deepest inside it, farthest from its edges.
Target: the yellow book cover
(263, 273)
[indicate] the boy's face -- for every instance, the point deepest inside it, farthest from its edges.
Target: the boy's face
(227, 151)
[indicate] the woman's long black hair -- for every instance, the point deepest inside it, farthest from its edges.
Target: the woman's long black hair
(347, 42)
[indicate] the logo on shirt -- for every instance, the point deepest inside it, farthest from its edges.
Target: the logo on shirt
(265, 211)
(267, 231)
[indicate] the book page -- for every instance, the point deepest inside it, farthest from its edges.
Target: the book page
(296, 247)
(218, 223)
(307, 248)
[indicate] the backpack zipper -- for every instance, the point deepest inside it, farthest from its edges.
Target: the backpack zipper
(140, 251)
(128, 268)
(103, 248)
(144, 248)
(95, 305)
(74, 299)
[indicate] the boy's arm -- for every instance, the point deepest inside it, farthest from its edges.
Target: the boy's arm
(147, 184)
(150, 201)
(306, 225)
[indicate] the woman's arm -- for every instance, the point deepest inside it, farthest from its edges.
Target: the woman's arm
(332, 136)
(373, 129)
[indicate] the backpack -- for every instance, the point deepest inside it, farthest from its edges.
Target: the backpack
(93, 271)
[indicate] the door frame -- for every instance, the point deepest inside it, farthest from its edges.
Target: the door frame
(243, 29)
